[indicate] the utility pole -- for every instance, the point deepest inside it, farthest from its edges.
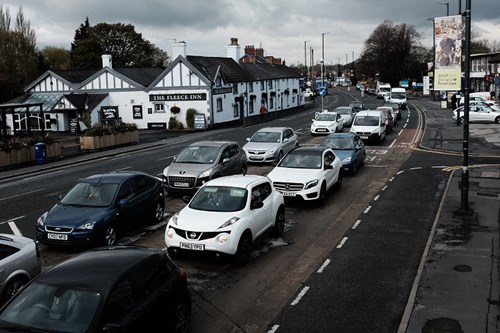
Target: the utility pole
(322, 61)
(305, 58)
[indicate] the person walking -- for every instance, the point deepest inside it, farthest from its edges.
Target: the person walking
(454, 101)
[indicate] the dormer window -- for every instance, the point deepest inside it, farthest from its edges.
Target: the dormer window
(218, 81)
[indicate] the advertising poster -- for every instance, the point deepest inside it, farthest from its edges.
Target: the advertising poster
(448, 32)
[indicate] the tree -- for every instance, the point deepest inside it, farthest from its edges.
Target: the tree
(18, 57)
(394, 52)
(56, 58)
(127, 47)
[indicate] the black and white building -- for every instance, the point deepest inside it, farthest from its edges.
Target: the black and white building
(221, 89)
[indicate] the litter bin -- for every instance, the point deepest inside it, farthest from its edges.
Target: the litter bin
(40, 153)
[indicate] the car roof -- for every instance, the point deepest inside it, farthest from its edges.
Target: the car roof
(309, 149)
(213, 143)
(236, 180)
(369, 112)
(272, 129)
(341, 135)
(96, 269)
(112, 177)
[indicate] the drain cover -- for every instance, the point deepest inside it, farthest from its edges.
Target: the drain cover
(462, 268)
(442, 325)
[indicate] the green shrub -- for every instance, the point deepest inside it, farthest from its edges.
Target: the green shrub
(190, 113)
(174, 124)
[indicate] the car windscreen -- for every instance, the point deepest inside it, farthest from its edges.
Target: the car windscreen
(301, 160)
(219, 199)
(343, 110)
(325, 117)
(366, 121)
(397, 95)
(262, 136)
(198, 155)
(90, 195)
(338, 143)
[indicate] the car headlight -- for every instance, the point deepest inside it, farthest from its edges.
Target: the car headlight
(170, 232)
(272, 150)
(41, 220)
(206, 174)
(229, 222)
(222, 238)
(312, 183)
(165, 172)
(174, 218)
(346, 159)
(86, 226)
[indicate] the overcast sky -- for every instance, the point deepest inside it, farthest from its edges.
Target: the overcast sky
(280, 27)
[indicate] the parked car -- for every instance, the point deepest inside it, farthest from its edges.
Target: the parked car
(226, 216)
(307, 173)
(202, 161)
(370, 125)
(357, 105)
(270, 144)
(19, 263)
(389, 118)
(478, 112)
(349, 147)
(308, 93)
(347, 113)
(99, 209)
(326, 122)
(110, 289)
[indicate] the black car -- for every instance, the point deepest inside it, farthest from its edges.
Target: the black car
(357, 105)
(101, 208)
(107, 289)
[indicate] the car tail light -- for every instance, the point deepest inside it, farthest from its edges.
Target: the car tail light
(37, 251)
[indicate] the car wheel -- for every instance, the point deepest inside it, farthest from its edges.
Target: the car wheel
(363, 159)
(181, 317)
(340, 178)
(322, 194)
(398, 117)
(243, 169)
(159, 211)
(12, 288)
(279, 223)
(109, 236)
(280, 156)
(243, 252)
(497, 120)
(354, 168)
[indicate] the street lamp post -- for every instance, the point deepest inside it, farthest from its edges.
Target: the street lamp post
(305, 58)
(322, 61)
(447, 4)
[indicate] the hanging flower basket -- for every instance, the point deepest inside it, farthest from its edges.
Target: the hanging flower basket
(175, 109)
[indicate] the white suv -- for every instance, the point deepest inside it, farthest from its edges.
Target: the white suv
(307, 173)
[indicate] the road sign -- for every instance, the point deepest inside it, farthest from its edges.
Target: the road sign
(322, 91)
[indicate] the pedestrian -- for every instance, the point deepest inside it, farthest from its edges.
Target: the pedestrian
(454, 101)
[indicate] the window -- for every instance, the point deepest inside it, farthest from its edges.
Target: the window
(235, 110)
(219, 104)
(235, 88)
(218, 81)
(287, 134)
(262, 85)
(271, 102)
(251, 106)
(270, 84)
(159, 108)
(250, 87)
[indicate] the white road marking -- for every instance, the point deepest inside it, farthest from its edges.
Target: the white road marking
(299, 297)
(342, 242)
(322, 268)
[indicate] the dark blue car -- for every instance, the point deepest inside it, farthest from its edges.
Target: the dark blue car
(101, 208)
(349, 147)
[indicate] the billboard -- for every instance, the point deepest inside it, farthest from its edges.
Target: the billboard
(448, 32)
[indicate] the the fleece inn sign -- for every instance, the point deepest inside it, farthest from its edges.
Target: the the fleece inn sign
(178, 97)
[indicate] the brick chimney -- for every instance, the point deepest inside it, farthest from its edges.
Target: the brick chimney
(107, 61)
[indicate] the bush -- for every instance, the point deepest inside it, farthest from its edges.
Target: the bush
(19, 142)
(190, 113)
(174, 124)
(102, 129)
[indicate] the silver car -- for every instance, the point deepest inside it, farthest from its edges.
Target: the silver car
(201, 161)
(19, 263)
(270, 144)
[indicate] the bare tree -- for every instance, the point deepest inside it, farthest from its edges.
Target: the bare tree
(18, 57)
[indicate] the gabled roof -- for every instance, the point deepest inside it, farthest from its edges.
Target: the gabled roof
(85, 101)
(143, 76)
(74, 76)
(230, 70)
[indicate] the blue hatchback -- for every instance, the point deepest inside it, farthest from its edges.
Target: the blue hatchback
(349, 147)
(101, 208)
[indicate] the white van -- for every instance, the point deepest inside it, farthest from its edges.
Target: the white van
(370, 125)
(384, 89)
(398, 95)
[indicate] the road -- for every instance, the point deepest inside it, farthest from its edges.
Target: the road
(345, 266)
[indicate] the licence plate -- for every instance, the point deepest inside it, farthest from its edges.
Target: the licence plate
(364, 137)
(191, 246)
(258, 158)
(288, 194)
(57, 236)
(321, 129)
(177, 184)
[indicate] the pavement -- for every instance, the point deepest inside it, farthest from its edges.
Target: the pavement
(457, 286)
